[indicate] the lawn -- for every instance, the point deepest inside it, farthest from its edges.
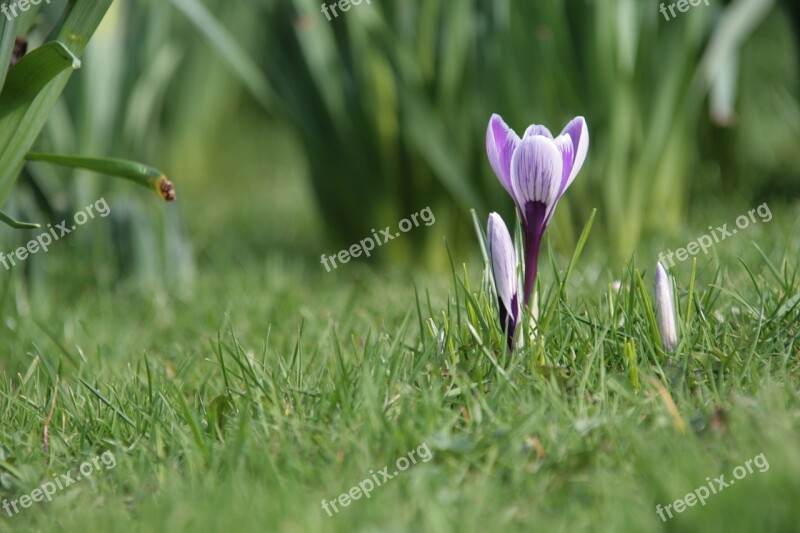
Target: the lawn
(196, 365)
(271, 386)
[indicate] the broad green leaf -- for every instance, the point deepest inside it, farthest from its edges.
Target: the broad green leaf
(8, 31)
(29, 105)
(30, 76)
(81, 21)
(21, 97)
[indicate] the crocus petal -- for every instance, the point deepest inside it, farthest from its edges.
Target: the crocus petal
(665, 309)
(579, 134)
(503, 260)
(501, 141)
(536, 171)
(536, 129)
(565, 146)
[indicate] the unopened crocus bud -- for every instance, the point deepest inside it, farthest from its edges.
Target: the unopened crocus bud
(503, 260)
(665, 309)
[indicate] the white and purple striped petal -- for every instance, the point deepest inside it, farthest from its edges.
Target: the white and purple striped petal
(536, 172)
(501, 141)
(579, 135)
(536, 129)
(503, 260)
(665, 309)
(566, 148)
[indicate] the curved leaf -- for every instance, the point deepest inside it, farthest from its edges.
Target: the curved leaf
(23, 110)
(29, 77)
(16, 224)
(146, 176)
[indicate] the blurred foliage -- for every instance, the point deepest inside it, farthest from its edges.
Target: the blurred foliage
(764, 160)
(32, 87)
(391, 101)
(116, 108)
(143, 80)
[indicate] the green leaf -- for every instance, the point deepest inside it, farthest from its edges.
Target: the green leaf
(80, 23)
(146, 176)
(8, 32)
(21, 101)
(16, 224)
(35, 84)
(32, 74)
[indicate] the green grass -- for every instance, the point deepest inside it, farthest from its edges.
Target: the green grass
(270, 385)
(275, 385)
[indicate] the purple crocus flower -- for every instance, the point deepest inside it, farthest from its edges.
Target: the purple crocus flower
(503, 260)
(536, 170)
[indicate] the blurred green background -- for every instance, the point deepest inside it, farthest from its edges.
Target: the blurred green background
(286, 132)
(289, 136)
